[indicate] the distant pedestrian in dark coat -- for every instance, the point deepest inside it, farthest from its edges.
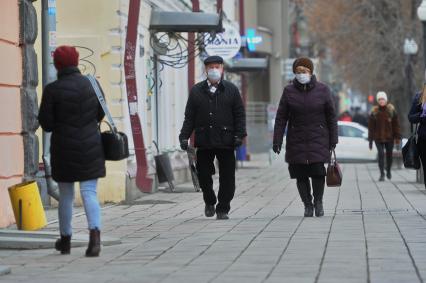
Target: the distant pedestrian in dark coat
(384, 130)
(215, 112)
(417, 115)
(71, 111)
(307, 110)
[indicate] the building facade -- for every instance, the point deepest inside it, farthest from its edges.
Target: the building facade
(18, 100)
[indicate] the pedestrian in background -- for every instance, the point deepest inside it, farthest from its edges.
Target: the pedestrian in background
(71, 111)
(417, 115)
(216, 113)
(384, 130)
(307, 110)
(345, 117)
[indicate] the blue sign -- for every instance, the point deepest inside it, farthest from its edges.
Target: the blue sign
(252, 39)
(51, 11)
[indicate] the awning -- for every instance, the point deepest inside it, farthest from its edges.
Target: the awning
(247, 65)
(185, 22)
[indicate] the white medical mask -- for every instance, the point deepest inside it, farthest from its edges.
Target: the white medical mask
(214, 75)
(303, 78)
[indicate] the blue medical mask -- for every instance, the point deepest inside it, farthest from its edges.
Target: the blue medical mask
(303, 78)
(214, 75)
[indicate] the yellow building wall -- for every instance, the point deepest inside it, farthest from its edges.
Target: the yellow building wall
(91, 27)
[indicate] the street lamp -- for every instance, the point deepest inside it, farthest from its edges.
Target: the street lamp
(421, 13)
(410, 47)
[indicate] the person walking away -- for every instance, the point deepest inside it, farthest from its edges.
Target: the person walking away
(71, 112)
(306, 109)
(385, 132)
(215, 112)
(417, 115)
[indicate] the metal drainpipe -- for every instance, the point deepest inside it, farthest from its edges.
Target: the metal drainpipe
(243, 76)
(242, 32)
(142, 181)
(219, 6)
(191, 60)
(49, 75)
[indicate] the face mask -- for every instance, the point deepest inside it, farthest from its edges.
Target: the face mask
(303, 78)
(214, 75)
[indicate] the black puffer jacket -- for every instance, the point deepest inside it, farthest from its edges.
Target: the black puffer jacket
(71, 111)
(308, 113)
(216, 118)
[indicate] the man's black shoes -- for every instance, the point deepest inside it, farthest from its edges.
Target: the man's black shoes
(210, 210)
(222, 216)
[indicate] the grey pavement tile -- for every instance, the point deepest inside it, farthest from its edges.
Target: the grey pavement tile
(266, 234)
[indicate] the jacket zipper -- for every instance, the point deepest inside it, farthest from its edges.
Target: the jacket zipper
(306, 143)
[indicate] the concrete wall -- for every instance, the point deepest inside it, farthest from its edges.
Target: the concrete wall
(272, 14)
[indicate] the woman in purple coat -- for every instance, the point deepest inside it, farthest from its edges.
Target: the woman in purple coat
(307, 110)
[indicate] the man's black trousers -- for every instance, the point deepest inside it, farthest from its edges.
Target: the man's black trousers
(205, 168)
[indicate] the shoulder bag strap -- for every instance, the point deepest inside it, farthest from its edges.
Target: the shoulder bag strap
(101, 100)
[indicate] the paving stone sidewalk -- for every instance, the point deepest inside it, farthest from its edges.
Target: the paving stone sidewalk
(371, 232)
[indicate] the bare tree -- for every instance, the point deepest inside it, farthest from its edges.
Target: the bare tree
(366, 41)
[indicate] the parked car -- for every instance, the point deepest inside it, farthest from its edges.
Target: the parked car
(354, 146)
(353, 143)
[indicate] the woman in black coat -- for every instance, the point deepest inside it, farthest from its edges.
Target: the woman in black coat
(417, 116)
(307, 110)
(71, 111)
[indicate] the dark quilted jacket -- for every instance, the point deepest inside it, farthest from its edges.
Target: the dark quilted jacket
(70, 110)
(216, 118)
(414, 115)
(308, 113)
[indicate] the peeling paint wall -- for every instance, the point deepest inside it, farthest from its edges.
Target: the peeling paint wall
(18, 99)
(11, 142)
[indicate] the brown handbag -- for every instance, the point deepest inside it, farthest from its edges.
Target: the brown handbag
(334, 173)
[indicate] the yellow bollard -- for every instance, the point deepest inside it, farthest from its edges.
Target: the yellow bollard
(27, 206)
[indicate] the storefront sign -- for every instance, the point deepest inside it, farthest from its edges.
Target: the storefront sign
(226, 44)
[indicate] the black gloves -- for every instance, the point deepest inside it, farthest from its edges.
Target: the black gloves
(277, 148)
(370, 145)
(184, 144)
(332, 147)
(238, 141)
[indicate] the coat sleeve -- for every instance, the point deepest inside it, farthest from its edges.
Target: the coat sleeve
(101, 113)
(239, 115)
(281, 119)
(331, 118)
(189, 120)
(415, 111)
(396, 128)
(371, 127)
(46, 115)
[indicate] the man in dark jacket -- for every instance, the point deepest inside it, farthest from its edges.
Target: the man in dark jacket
(216, 113)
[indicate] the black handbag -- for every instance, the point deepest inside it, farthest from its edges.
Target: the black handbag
(116, 146)
(115, 143)
(410, 152)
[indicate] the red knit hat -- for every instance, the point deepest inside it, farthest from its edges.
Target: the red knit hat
(65, 56)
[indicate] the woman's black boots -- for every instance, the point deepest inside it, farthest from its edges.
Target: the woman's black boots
(318, 188)
(63, 245)
(94, 247)
(304, 188)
